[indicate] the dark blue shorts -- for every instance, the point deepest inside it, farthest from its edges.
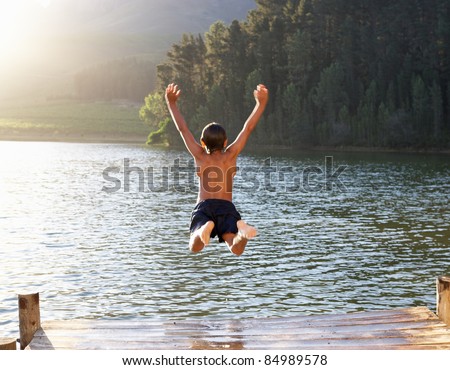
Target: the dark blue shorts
(222, 212)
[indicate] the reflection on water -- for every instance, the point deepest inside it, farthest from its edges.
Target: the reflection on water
(94, 254)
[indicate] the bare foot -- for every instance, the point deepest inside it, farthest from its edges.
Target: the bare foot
(246, 231)
(205, 232)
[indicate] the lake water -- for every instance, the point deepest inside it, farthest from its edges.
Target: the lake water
(376, 240)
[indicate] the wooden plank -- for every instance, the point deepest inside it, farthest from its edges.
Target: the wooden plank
(416, 327)
(238, 346)
(260, 341)
(361, 318)
(168, 329)
(443, 298)
(274, 343)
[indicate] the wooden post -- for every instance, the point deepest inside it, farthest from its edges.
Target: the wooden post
(8, 344)
(443, 298)
(29, 318)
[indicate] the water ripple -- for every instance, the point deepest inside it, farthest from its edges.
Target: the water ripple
(93, 254)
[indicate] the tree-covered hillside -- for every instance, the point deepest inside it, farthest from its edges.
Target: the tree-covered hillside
(340, 72)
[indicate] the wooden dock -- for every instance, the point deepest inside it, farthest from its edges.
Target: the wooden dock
(409, 328)
(415, 328)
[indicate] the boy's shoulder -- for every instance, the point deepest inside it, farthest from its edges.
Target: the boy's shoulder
(221, 159)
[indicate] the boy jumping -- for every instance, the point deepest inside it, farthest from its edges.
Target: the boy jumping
(215, 214)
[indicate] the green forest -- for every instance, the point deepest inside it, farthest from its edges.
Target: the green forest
(371, 73)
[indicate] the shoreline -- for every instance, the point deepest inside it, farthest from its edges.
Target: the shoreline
(138, 139)
(81, 139)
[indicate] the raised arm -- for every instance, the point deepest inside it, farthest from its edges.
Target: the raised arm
(172, 95)
(261, 95)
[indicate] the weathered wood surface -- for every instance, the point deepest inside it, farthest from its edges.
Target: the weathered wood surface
(412, 328)
(443, 298)
(29, 317)
(8, 344)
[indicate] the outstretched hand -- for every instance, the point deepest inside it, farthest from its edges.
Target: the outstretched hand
(261, 94)
(172, 93)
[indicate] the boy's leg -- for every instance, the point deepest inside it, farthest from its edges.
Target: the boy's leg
(200, 237)
(238, 242)
(235, 242)
(245, 230)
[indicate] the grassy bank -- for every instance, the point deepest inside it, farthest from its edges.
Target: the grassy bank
(72, 121)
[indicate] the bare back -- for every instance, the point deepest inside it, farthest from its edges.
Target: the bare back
(216, 172)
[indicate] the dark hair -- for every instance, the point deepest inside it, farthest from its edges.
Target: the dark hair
(214, 136)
